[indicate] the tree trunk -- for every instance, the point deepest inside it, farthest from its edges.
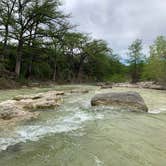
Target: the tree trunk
(30, 69)
(79, 72)
(5, 43)
(55, 72)
(18, 59)
(80, 68)
(18, 66)
(135, 73)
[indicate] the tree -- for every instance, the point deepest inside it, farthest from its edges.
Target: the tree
(73, 50)
(6, 20)
(31, 19)
(56, 43)
(135, 59)
(97, 63)
(41, 44)
(155, 69)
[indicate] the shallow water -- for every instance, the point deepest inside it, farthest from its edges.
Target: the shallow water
(78, 135)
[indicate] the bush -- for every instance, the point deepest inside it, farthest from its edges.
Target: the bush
(117, 78)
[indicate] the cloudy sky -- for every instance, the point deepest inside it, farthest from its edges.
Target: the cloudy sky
(119, 22)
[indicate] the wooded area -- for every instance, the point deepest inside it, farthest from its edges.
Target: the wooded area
(38, 42)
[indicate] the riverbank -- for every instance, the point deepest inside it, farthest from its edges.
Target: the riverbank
(6, 84)
(145, 85)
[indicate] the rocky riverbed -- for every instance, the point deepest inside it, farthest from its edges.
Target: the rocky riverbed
(146, 85)
(20, 108)
(75, 133)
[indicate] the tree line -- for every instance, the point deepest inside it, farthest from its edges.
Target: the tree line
(148, 67)
(38, 42)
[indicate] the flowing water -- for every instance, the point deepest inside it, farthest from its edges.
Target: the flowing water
(76, 134)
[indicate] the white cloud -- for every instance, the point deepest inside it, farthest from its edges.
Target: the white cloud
(119, 22)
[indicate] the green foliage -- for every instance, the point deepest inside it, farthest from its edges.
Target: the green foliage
(38, 43)
(136, 59)
(155, 69)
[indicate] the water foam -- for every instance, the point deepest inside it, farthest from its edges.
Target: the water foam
(68, 123)
(157, 111)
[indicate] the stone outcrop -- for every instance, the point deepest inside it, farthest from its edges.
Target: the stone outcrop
(11, 110)
(130, 100)
(147, 85)
(21, 107)
(104, 85)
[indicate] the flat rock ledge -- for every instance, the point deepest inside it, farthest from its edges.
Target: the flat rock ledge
(146, 85)
(130, 100)
(105, 85)
(21, 107)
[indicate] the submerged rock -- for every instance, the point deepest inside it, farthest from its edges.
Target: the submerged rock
(131, 100)
(106, 86)
(79, 91)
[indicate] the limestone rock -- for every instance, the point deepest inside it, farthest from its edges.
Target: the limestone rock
(131, 100)
(21, 107)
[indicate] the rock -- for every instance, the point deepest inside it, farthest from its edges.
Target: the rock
(45, 100)
(100, 83)
(20, 107)
(147, 85)
(126, 85)
(49, 94)
(25, 97)
(24, 87)
(11, 110)
(104, 85)
(41, 103)
(157, 87)
(131, 100)
(8, 110)
(14, 148)
(79, 91)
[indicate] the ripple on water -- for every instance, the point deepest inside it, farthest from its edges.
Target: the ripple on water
(98, 161)
(71, 122)
(157, 111)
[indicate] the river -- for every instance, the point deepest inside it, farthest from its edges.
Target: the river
(76, 134)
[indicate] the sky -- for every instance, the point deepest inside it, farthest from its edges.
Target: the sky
(119, 22)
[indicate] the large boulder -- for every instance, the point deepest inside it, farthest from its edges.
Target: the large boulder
(130, 100)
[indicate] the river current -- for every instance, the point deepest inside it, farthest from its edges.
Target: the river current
(76, 134)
